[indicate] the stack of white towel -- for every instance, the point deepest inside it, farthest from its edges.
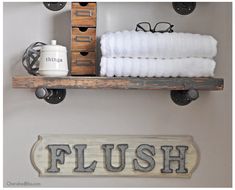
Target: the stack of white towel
(146, 54)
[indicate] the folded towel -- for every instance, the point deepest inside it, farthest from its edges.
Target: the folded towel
(157, 45)
(134, 67)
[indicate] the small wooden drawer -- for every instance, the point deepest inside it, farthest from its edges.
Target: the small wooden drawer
(83, 63)
(83, 39)
(83, 14)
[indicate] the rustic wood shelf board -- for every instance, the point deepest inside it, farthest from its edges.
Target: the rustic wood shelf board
(117, 83)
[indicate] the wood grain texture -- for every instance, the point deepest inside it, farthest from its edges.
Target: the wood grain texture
(83, 64)
(83, 41)
(40, 157)
(83, 15)
(118, 83)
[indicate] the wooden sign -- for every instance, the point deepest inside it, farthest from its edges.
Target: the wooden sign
(146, 156)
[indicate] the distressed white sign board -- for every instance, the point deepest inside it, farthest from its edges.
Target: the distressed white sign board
(146, 156)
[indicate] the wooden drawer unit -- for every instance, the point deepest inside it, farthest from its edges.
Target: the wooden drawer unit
(83, 39)
(83, 63)
(83, 14)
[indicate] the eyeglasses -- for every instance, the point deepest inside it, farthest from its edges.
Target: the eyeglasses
(161, 26)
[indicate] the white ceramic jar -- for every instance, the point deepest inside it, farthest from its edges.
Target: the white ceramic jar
(53, 60)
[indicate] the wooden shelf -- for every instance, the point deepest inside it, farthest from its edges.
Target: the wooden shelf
(117, 83)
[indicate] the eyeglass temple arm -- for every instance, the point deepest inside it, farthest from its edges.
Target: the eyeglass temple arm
(138, 26)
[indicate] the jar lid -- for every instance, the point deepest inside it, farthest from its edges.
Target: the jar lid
(53, 47)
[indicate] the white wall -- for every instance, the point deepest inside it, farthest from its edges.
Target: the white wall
(208, 119)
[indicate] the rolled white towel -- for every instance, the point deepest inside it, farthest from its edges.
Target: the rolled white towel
(136, 67)
(157, 45)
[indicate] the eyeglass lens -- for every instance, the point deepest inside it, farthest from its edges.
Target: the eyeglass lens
(162, 26)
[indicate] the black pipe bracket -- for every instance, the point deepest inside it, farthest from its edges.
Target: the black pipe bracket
(184, 8)
(184, 97)
(51, 96)
(54, 6)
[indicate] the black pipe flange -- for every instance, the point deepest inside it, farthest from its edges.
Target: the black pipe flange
(184, 8)
(51, 96)
(184, 97)
(54, 6)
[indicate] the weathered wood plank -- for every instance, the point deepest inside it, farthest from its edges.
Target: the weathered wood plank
(146, 156)
(118, 83)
